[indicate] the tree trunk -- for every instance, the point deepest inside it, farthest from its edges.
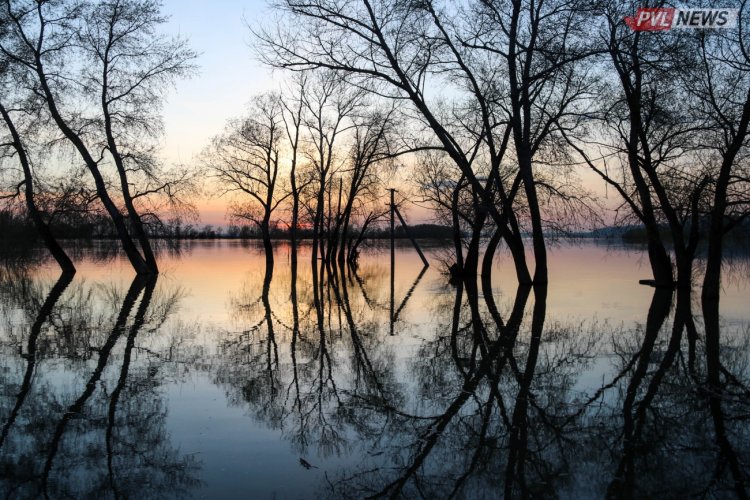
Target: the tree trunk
(345, 240)
(489, 253)
(661, 264)
(266, 236)
(133, 216)
(715, 254)
(318, 221)
(295, 212)
(66, 265)
(512, 236)
(537, 231)
(471, 262)
(457, 239)
(134, 256)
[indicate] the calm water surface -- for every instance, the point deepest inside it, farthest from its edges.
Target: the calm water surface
(225, 379)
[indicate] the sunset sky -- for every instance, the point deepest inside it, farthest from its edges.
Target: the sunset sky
(228, 75)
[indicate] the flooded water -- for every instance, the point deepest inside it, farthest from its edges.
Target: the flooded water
(223, 379)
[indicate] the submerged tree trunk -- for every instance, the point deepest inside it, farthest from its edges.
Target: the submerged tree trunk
(457, 239)
(537, 231)
(489, 253)
(712, 278)
(512, 236)
(345, 244)
(295, 208)
(715, 255)
(266, 236)
(131, 250)
(135, 219)
(66, 265)
(471, 261)
(661, 263)
(318, 221)
(334, 232)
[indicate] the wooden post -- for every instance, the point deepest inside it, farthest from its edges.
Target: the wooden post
(393, 233)
(413, 241)
(393, 256)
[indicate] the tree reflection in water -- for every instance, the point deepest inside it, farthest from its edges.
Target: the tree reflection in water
(495, 396)
(496, 405)
(493, 404)
(86, 420)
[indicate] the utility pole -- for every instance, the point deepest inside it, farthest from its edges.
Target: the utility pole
(393, 254)
(394, 213)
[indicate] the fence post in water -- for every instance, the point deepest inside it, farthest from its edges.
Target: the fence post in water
(413, 241)
(393, 254)
(393, 232)
(395, 212)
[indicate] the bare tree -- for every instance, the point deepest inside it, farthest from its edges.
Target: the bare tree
(246, 159)
(639, 140)
(131, 65)
(371, 160)
(292, 115)
(390, 46)
(404, 50)
(543, 47)
(656, 134)
(100, 68)
(328, 108)
(452, 203)
(721, 87)
(16, 144)
(654, 141)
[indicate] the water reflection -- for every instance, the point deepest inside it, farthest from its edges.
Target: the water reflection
(420, 389)
(85, 420)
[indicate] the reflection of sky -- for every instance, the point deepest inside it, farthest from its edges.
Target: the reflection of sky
(205, 365)
(587, 280)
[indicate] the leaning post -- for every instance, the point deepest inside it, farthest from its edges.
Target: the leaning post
(413, 241)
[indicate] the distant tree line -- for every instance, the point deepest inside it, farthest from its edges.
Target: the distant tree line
(17, 227)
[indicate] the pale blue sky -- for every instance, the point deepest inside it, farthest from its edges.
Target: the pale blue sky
(228, 73)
